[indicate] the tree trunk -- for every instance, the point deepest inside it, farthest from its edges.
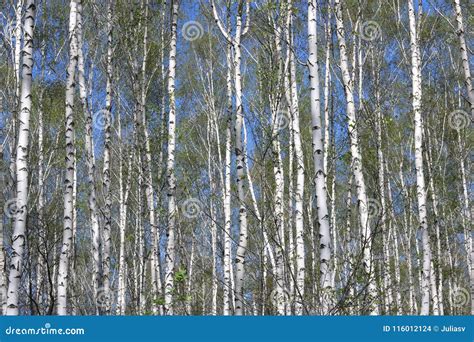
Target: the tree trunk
(227, 191)
(420, 178)
(239, 156)
(318, 161)
(19, 237)
(292, 98)
(171, 180)
(149, 190)
(123, 206)
(63, 272)
(106, 305)
(464, 56)
(3, 268)
(279, 204)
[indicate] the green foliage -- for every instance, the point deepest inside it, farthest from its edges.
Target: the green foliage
(180, 275)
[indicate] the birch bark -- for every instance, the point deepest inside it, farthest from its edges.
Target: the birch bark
(3, 264)
(470, 94)
(21, 167)
(123, 206)
(292, 98)
(227, 190)
(318, 161)
(63, 271)
(420, 178)
(277, 120)
(239, 155)
(171, 179)
(235, 41)
(464, 54)
(106, 168)
(149, 191)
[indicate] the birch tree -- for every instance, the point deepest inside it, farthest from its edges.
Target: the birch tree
(318, 159)
(67, 240)
(18, 236)
(170, 166)
(470, 94)
(155, 261)
(106, 169)
(292, 99)
(235, 41)
(3, 264)
(420, 178)
(464, 54)
(226, 194)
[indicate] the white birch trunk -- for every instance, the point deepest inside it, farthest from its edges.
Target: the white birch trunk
(279, 182)
(106, 272)
(19, 237)
(290, 267)
(3, 265)
(318, 161)
(190, 277)
(227, 262)
(123, 206)
(235, 41)
(292, 98)
(466, 221)
(240, 156)
(213, 219)
(17, 69)
(420, 179)
(63, 271)
(327, 85)
(464, 56)
(170, 172)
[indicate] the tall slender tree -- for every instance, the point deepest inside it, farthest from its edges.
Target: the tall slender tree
(63, 271)
(106, 168)
(19, 237)
(240, 30)
(420, 177)
(170, 165)
(318, 160)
